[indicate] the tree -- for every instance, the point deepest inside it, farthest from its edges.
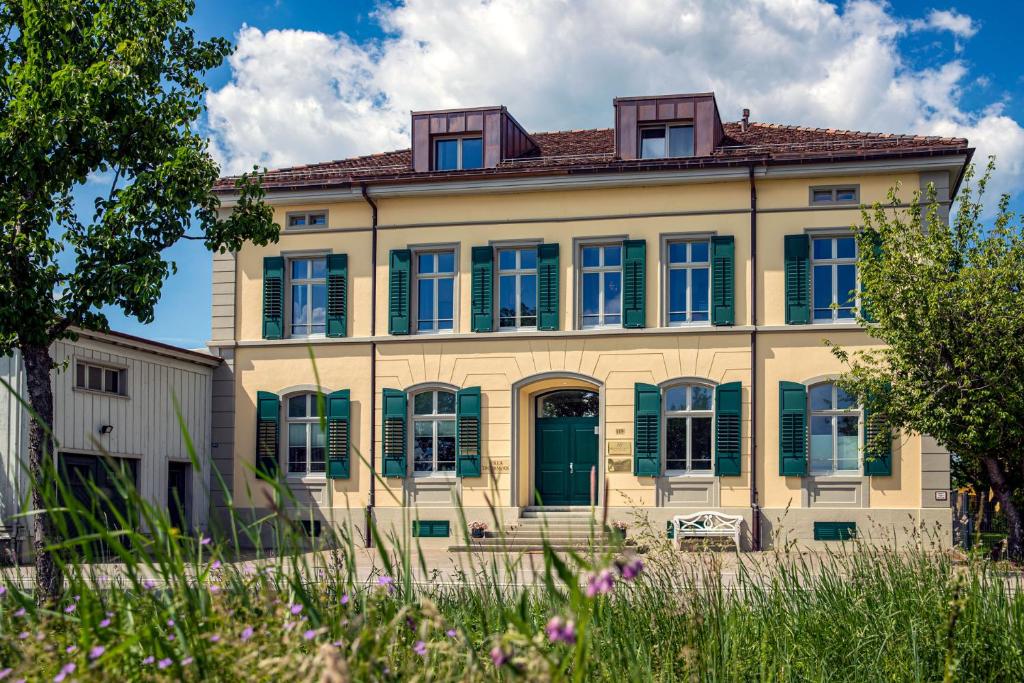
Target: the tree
(109, 88)
(947, 301)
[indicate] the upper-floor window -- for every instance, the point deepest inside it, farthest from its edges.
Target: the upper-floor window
(688, 281)
(307, 219)
(433, 417)
(306, 439)
(834, 278)
(452, 154)
(835, 194)
(308, 301)
(435, 290)
(99, 378)
(835, 430)
(672, 140)
(517, 288)
(688, 414)
(600, 285)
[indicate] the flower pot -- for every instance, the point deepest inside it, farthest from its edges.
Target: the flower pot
(477, 533)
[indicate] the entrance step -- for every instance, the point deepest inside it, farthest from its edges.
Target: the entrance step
(563, 528)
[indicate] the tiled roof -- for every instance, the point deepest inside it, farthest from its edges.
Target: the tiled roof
(593, 150)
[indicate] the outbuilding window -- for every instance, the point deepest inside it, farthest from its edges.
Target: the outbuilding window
(99, 378)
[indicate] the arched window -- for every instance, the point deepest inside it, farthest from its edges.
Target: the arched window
(568, 403)
(433, 416)
(688, 412)
(835, 430)
(306, 439)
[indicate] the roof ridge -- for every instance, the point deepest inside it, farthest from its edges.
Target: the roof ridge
(846, 131)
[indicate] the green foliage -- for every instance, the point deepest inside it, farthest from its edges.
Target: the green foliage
(104, 88)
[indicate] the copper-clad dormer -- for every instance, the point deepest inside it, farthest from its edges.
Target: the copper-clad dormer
(464, 139)
(664, 126)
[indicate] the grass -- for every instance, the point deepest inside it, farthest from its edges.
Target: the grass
(182, 607)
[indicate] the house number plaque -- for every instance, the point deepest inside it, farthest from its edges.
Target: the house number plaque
(620, 447)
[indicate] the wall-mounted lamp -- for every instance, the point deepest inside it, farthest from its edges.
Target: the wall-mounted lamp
(106, 429)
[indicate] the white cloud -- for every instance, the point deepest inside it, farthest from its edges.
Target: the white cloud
(299, 97)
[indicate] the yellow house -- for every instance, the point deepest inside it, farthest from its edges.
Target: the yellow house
(531, 322)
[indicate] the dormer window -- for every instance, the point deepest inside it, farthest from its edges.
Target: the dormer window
(461, 153)
(672, 140)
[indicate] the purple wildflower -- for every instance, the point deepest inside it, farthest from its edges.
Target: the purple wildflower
(498, 656)
(70, 608)
(164, 663)
(561, 631)
(309, 635)
(630, 570)
(65, 671)
(3, 592)
(97, 651)
(105, 623)
(20, 612)
(23, 635)
(205, 540)
(4, 673)
(451, 633)
(170, 622)
(600, 584)
(344, 599)
(70, 648)
(149, 584)
(149, 660)
(288, 625)
(215, 565)
(296, 608)
(387, 581)
(186, 661)
(214, 588)
(246, 633)
(215, 638)
(420, 648)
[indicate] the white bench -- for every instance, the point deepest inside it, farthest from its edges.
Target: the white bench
(707, 524)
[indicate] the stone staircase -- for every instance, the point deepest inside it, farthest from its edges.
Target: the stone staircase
(565, 528)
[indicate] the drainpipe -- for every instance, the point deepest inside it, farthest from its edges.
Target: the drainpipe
(755, 508)
(373, 364)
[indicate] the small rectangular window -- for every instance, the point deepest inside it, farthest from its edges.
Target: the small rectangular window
(453, 154)
(835, 194)
(311, 219)
(672, 140)
(98, 378)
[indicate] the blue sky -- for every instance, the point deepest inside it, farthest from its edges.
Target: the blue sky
(315, 80)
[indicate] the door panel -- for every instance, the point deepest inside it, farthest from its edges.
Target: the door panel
(566, 450)
(584, 455)
(179, 486)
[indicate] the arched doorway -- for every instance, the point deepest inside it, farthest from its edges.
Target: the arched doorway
(566, 447)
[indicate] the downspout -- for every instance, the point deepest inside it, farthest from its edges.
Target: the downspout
(755, 508)
(373, 365)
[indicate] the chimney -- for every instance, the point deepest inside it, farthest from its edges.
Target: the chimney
(745, 121)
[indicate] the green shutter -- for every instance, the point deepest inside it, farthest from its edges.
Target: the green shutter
(798, 279)
(337, 295)
(792, 429)
(268, 432)
(393, 434)
(399, 291)
(634, 287)
(865, 306)
(646, 430)
(877, 460)
(339, 433)
(467, 432)
(482, 290)
(273, 297)
(547, 287)
(723, 281)
(431, 528)
(728, 409)
(834, 531)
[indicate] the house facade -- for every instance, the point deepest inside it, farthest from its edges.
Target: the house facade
(632, 317)
(114, 402)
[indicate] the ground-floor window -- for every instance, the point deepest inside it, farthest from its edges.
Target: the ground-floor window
(835, 430)
(688, 414)
(433, 418)
(306, 438)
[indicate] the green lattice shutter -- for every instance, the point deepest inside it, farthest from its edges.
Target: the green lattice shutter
(728, 409)
(467, 433)
(337, 295)
(268, 432)
(798, 279)
(339, 434)
(547, 287)
(482, 293)
(792, 429)
(723, 281)
(646, 430)
(877, 458)
(865, 305)
(273, 297)
(634, 275)
(393, 433)
(399, 291)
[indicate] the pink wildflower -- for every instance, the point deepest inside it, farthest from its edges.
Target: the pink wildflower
(451, 633)
(97, 651)
(215, 638)
(4, 673)
(420, 648)
(344, 599)
(561, 631)
(23, 635)
(600, 584)
(149, 660)
(631, 570)
(295, 609)
(246, 633)
(105, 623)
(65, 671)
(70, 648)
(20, 612)
(498, 656)
(186, 661)
(205, 540)
(164, 663)
(309, 635)
(70, 608)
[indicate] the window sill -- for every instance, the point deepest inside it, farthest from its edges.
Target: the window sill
(837, 477)
(698, 323)
(94, 392)
(685, 474)
(318, 335)
(432, 333)
(306, 478)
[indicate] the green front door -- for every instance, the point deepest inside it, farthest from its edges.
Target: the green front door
(565, 455)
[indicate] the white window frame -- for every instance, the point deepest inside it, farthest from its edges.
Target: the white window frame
(104, 368)
(833, 191)
(601, 269)
(306, 217)
(458, 156)
(833, 263)
(833, 413)
(666, 128)
(668, 267)
(434, 417)
(308, 282)
(518, 272)
(415, 293)
(310, 423)
(688, 414)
